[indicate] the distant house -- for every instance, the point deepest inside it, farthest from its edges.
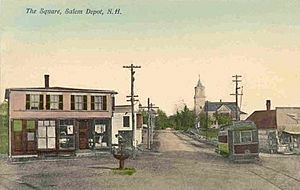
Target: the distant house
(265, 121)
(122, 125)
(288, 126)
(213, 109)
(279, 129)
(58, 120)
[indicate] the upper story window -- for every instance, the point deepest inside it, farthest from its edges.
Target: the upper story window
(78, 102)
(126, 121)
(54, 102)
(98, 103)
(34, 102)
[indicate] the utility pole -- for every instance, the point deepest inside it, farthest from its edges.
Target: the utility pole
(236, 94)
(152, 122)
(206, 119)
(149, 131)
(132, 100)
(149, 124)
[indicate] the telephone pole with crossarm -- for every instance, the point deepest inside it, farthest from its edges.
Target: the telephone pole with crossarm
(132, 100)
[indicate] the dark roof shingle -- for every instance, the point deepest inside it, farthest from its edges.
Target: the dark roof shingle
(265, 119)
(214, 106)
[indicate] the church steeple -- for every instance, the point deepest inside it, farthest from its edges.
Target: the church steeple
(199, 97)
(199, 84)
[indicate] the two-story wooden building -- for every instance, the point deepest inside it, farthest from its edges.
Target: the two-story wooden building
(58, 120)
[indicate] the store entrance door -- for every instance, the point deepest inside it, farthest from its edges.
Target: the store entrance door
(23, 137)
(83, 134)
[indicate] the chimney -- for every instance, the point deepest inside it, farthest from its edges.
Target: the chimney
(268, 105)
(46, 81)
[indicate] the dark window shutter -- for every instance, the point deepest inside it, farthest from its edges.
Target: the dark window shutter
(104, 103)
(41, 106)
(61, 102)
(84, 102)
(113, 103)
(47, 102)
(92, 102)
(72, 102)
(27, 101)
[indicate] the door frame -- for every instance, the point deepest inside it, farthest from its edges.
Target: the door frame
(83, 129)
(24, 135)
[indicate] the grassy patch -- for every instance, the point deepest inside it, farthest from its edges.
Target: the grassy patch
(3, 136)
(125, 171)
(210, 133)
(3, 142)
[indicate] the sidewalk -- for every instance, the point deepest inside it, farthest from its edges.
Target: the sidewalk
(266, 155)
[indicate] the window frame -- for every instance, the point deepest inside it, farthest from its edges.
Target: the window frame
(125, 122)
(66, 123)
(241, 136)
(54, 102)
(46, 124)
(78, 102)
(99, 102)
(34, 101)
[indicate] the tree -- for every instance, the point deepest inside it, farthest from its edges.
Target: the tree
(162, 121)
(205, 123)
(3, 114)
(184, 119)
(3, 128)
(223, 119)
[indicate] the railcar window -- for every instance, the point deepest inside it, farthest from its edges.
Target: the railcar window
(246, 136)
(237, 137)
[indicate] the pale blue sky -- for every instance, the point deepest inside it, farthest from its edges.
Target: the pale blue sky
(174, 41)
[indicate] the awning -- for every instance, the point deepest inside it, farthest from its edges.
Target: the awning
(294, 130)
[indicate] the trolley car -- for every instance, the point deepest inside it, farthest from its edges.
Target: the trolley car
(239, 141)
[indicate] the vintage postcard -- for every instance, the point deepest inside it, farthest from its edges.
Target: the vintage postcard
(160, 94)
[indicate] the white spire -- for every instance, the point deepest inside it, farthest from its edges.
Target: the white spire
(199, 84)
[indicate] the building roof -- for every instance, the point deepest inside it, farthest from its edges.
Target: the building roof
(126, 108)
(59, 89)
(264, 119)
(214, 106)
(239, 126)
(294, 130)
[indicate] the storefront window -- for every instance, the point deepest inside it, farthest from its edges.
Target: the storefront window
(66, 134)
(101, 134)
(30, 124)
(17, 125)
(46, 134)
(30, 136)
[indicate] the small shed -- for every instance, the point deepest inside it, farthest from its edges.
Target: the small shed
(239, 141)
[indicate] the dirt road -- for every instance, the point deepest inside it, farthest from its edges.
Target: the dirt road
(169, 142)
(182, 163)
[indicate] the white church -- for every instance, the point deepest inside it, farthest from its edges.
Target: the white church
(201, 105)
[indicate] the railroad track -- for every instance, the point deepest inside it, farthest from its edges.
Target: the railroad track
(6, 183)
(277, 178)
